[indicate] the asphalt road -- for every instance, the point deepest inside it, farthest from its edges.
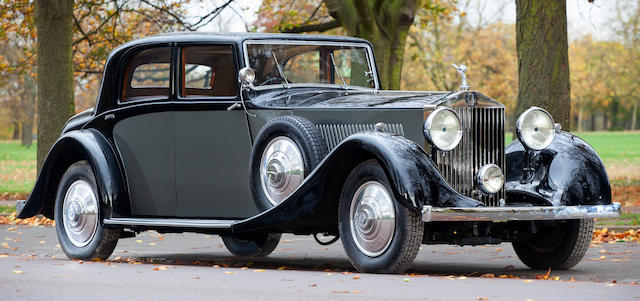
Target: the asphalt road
(195, 267)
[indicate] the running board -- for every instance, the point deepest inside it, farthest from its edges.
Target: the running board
(172, 222)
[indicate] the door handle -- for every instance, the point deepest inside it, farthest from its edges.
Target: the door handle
(234, 106)
(109, 116)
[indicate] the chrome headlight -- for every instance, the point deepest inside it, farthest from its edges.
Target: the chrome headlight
(490, 178)
(443, 129)
(535, 128)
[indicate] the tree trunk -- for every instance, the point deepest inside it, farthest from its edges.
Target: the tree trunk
(16, 131)
(580, 109)
(543, 58)
(29, 103)
(634, 114)
(55, 70)
(385, 24)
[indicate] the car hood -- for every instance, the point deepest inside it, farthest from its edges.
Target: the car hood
(364, 98)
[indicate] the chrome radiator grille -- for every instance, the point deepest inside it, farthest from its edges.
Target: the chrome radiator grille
(335, 133)
(482, 143)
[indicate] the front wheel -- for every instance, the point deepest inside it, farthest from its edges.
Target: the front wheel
(378, 234)
(77, 216)
(558, 246)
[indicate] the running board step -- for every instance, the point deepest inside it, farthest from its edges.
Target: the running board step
(172, 222)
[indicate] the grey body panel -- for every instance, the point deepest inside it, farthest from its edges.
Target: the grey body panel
(145, 143)
(212, 164)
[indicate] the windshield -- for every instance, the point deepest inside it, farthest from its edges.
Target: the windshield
(345, 65)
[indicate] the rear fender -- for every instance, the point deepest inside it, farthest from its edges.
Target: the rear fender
(71, 147)
(568, 172)
(414, 178)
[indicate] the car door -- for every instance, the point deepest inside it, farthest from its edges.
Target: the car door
(212, 145)
(143, 132)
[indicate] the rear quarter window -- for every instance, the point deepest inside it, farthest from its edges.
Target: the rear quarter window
(148, 75)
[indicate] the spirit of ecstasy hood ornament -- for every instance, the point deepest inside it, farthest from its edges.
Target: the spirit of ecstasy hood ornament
(462, 69)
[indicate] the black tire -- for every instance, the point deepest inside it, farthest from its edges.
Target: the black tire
(252, 246)
(306, 136)
(407, 236)
(104, 240)
(558, 247)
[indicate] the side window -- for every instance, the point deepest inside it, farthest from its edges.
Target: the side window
(352, 65)
(208, 71)
(148, 75)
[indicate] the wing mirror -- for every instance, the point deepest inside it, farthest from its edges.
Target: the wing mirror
(246, 76)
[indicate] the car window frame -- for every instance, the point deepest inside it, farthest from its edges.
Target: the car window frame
(204, 98)
(128, 56)
(367, 46)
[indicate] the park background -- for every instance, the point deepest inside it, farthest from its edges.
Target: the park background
(604, 60)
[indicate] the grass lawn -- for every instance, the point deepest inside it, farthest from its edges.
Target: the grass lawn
(17, 168)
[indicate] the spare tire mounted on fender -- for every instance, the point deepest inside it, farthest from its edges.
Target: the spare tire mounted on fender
(286, 150)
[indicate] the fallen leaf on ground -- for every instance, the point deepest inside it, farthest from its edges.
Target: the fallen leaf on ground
(161, 268)
(17, 272)
(488, 275)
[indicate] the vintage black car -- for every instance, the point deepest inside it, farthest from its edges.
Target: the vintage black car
(248, 136)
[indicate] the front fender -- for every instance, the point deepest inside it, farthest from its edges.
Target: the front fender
(73, 146)
(568, 172)
(415, 181)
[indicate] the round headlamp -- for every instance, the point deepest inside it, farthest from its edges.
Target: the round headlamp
(490, 178)
(535, 128)
(443, 129)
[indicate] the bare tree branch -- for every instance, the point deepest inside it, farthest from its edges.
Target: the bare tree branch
(312, 27)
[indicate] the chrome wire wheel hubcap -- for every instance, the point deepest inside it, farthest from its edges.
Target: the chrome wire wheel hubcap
(373, 219)
(281, 169)
(80, 213)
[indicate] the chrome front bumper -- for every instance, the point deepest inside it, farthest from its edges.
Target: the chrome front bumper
(496, 214)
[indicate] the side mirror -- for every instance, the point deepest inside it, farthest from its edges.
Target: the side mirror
(246, 76)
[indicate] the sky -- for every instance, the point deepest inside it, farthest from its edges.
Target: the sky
(583, 17)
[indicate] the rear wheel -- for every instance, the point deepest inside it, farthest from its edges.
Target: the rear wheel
(252, 246)
(378, 234)
(558, 246)
(77, 215)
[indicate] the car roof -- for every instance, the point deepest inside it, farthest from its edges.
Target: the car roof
(235, 37)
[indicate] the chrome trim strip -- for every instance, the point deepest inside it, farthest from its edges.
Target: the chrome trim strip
(458, 214)
(171, 222)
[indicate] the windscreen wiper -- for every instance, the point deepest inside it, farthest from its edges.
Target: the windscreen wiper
(333, 62)
(275, 60)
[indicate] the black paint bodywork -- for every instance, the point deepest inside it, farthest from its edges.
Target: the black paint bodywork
(568, 172)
